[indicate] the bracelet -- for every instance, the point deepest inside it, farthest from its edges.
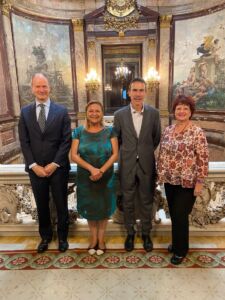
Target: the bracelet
(101, 172)
(200, 180)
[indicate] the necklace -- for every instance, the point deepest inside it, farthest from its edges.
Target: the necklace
(180, 129)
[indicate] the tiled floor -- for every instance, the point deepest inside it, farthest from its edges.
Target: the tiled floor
(85, 284)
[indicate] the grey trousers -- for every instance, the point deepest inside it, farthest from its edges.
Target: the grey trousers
(137, 183)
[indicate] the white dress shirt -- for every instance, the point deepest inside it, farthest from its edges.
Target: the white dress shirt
(137, 117)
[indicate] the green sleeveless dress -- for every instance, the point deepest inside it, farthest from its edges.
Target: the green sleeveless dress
(96, 200)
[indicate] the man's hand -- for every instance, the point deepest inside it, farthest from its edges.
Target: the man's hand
(50, 169)
(39, 171)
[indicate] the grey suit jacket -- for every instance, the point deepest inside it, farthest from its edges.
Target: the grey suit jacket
(131, 146)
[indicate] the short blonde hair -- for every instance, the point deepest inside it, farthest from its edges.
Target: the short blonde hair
(87, 125)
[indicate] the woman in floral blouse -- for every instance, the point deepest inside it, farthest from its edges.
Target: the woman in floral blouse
(182, 167)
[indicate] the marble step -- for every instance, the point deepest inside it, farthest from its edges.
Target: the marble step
(80, 228)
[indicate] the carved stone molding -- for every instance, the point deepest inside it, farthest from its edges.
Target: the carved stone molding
(78, 24)
(165, 21)
(9, 205)
(16, 197)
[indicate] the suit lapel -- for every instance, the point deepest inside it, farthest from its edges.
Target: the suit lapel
(130, 122)
(33, 116)
(51, 115)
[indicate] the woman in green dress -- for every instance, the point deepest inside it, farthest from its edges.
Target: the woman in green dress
(95, 149)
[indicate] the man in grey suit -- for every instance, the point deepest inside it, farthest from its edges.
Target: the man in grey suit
(139, 130)
(45, 137)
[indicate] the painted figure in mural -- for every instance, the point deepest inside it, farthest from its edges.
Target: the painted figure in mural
(182, 167)
(138, 129)
(203, 86)
(45, 137)
(210, 46)
(95, 149)
(188, 83)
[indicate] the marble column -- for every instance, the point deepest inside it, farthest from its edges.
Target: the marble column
(164, 66)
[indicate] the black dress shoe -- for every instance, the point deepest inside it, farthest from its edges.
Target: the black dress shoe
(43, 246)
(63, 246)
(176, 260)
(129, 243)
(170, 248)
(147, 242)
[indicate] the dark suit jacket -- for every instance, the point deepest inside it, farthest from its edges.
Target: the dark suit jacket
(53, 144)
(131, 146)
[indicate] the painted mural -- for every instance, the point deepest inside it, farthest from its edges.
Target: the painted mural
(43, 47)
(199, 60)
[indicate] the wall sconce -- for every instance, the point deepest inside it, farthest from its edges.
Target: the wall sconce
(108, 87)
(152, 79)
(92, 82)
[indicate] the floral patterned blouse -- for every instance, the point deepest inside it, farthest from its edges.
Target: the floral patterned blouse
(183, 157)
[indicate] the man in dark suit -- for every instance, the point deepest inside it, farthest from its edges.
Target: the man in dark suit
(139, 130)
(45, 137)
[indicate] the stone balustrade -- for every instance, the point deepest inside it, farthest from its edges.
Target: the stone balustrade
(18, 211)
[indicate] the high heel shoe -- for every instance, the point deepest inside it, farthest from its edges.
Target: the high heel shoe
(101, 251)
(92, 250)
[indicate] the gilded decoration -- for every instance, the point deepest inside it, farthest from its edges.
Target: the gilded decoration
(151, 43)
(165, 21)
(5, 7)
(121, 15)
(91, 45)
(78, 24)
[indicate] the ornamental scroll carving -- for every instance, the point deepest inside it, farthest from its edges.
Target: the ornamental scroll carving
(9, 205)
(209, 208)
(16, 201)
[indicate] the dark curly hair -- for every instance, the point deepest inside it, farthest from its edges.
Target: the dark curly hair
(185, 100)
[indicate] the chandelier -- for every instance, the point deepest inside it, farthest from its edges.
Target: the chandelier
(122, 72)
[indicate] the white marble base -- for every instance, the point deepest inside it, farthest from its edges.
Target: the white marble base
(80, 228)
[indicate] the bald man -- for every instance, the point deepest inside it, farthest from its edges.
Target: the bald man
(45, 138)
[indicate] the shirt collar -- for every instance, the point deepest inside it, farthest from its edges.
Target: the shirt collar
(134, 111)
(46, 103)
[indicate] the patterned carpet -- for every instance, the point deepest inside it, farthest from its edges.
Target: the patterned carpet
(112, 259)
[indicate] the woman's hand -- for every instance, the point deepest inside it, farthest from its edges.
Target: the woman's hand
(198, 189)
(96, 174)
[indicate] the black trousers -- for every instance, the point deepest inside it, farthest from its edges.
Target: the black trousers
(180, 201)
(138, 184)
(57, 184)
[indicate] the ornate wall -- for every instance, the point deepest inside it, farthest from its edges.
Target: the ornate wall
(85, 22)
